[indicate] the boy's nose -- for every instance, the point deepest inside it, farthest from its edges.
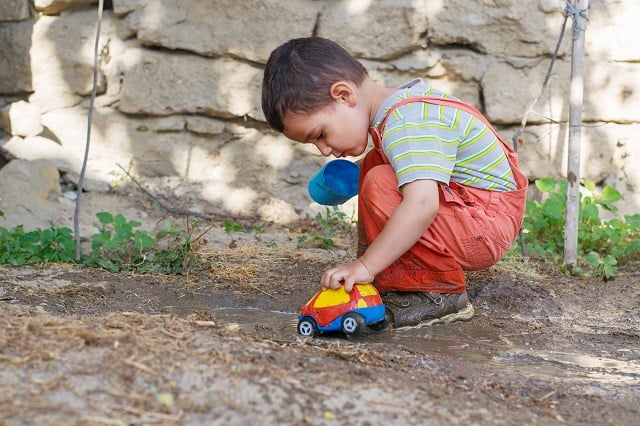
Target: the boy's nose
(325, 150)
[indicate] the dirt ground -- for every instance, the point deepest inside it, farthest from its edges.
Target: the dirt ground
(83, 346)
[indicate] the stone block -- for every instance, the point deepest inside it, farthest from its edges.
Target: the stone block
(392, 28)
(14, 10)
(21, 119)
(223, 27)
(163, 84)
(503, 27)
(15, 62)
(53, 7)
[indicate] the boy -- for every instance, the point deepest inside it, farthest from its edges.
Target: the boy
(440, 193)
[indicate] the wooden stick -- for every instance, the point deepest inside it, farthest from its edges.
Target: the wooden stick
(575, 127)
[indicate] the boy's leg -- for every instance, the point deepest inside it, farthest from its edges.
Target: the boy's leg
(473, 229)
(429, 265)
(429, 283)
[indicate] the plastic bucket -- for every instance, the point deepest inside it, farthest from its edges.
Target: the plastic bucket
(335, 182)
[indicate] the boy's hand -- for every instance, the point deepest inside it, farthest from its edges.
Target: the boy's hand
(346, 274)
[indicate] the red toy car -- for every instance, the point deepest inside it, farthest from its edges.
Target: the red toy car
(335, 310)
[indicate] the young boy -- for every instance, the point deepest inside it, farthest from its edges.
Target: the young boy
(440, 192)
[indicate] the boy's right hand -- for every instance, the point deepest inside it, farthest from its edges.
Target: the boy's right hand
(346, 274)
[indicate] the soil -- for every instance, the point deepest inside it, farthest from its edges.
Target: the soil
(82, 346)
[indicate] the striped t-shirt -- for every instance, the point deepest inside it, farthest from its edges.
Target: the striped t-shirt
(442, 143)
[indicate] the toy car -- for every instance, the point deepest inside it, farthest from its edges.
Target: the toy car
(335, 310)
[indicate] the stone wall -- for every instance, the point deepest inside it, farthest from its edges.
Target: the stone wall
(179, 88)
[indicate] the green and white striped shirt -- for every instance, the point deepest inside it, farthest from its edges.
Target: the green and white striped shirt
(442, 143)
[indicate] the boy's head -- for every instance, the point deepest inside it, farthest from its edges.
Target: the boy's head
(299, 74)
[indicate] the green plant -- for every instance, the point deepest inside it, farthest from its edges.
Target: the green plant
(54, 244)
(334, 221)
(231, 226)
(602, 245)
(122, 176)
(117, 246)
(177, 254)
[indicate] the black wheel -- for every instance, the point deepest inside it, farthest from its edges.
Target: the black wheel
(387, 321)
(307, 327)
(353, 324)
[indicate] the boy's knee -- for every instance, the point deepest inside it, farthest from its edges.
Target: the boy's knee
(380, 185)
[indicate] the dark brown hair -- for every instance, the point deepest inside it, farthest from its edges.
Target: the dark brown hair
(299, 75)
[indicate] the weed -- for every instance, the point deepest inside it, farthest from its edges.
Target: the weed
(117, 246)
(231, 226)
(18, 247)
(334, 221)
(602, 245)
(121, 177)
(272, 244)
(178, 254)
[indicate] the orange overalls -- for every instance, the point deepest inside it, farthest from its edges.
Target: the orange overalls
(473, 229)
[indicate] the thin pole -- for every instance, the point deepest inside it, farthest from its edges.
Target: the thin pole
(578, 9)
(96, 61)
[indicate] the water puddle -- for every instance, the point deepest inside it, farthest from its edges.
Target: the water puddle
(477, 342)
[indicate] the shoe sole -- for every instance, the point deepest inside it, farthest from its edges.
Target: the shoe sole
(464, 315)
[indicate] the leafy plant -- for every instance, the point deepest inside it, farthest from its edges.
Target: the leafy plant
(18, 247)
(231, 226)
(178, 254)
(333, 222)
(117, 246)
(602, 245)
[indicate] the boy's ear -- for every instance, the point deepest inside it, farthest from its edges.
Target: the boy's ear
(343, 91)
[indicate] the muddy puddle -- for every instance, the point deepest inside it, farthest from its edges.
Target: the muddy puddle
(481, 343)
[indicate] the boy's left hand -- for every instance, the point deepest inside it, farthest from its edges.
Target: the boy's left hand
(346, 274)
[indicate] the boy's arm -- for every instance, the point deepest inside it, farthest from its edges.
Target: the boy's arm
(406, 225)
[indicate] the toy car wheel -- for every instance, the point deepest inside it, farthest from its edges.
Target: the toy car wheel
(307, 327)
(381, 325)
(353, 324)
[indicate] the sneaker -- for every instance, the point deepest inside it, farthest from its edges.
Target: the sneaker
(422, 309)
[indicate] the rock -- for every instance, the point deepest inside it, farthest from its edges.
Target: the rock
(14, 10)
(393, 27)
(36, 148)
(173, 23)
(163, 84)
(15, 62)
(509, 92)
(21, 119)
(88, 184)
(205, 125)
(503, 28)
(25, 179)
(62, 58)
(52, 7)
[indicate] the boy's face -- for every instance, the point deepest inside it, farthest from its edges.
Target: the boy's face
(340, 129)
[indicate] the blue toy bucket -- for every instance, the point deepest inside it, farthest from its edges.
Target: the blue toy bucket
(335, 182)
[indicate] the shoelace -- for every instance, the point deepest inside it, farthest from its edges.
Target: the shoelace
(435, 298)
